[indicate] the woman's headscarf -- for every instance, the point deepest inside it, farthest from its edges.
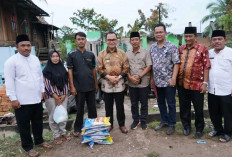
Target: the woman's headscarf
(55, 73)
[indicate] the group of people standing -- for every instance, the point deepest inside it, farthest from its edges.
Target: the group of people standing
(192, 69)
(189, 68)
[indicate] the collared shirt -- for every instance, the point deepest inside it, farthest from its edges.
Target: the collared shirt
(82, 65)
(163, 60)
(114, 63)
(24, 79)
(220, 73)
(138, 61)
(50, 89)
(193, 62)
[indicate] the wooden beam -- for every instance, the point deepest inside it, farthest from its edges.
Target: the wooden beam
(4, 30)
(7, 43)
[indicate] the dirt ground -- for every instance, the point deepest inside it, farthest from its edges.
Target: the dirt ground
(140, 143)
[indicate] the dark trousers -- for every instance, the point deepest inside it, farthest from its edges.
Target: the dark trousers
(139, 95)
(185, 98)
(81, 98)
(167, 94)
(221, 106)
(109, 106)
(30, 116)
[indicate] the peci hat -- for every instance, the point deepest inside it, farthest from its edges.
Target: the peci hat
(217, 33)
(134, 34)
(190, 30)
(22, 37)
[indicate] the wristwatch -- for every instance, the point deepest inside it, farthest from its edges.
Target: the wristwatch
(205, 83)
(140, 79)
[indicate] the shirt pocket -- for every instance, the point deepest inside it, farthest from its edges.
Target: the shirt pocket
(88, 62)
(224, 63)
(21, 73)
(36, 72)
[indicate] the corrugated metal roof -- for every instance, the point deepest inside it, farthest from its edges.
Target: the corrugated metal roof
(28, 4)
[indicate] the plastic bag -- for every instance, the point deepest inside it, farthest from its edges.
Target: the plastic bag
(98, 133)
(91, 131)
(96, 123)
(60, 114)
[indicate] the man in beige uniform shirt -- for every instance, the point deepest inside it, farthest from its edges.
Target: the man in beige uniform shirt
(112, 66)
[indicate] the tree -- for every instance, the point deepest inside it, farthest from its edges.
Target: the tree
(139, 24)
(157, 15)
(220, 12)
(66, 33)
(148, 24)
(89, 20)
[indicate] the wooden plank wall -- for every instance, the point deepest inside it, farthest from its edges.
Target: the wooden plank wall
(22, 18)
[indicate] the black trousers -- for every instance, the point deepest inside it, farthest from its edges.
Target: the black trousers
(81, 98)
(109, 106)
(30, 116)
(139, 95)
(221, 106)
(185, 98)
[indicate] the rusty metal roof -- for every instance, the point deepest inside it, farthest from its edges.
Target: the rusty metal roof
(43, 22)
(29, 5)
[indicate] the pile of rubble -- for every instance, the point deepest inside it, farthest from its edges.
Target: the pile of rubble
(5, 103)
(6, 117)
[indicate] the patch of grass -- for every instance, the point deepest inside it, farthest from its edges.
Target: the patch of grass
(153, 154)
(72, 116)
(153, 124)
(11, 146)
(179, 129)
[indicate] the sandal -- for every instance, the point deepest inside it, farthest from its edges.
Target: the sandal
(76, 134)
(213, 133)
(32, 153)
(58, 141)
(67, 137)
(45, 145)
(224, 138)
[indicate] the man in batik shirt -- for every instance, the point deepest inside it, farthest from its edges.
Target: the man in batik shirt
(113, 66)
(165, 59)
(192, 80)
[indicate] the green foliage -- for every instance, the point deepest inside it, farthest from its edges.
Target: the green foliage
(139, 24)
(220, 12)
(66, 33)
(148, 24)
(153, 154)
(90, 20)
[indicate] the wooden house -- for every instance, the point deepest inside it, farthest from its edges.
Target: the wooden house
(24, 17)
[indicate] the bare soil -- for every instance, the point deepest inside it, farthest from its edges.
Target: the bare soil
(140, 143)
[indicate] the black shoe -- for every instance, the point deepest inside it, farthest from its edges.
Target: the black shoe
(134, 125)
(143, 125)
(171, 130)
(198, 134)
(160, 126)
(187, 131)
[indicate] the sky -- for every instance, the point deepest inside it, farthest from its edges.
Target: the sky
(181, 12)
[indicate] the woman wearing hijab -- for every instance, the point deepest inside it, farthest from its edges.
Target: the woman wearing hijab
(56, 93)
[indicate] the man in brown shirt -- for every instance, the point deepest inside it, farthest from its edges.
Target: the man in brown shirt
(138, 80)
(112, 66)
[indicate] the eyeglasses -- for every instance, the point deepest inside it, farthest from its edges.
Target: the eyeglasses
(159, 33)
(113, 40)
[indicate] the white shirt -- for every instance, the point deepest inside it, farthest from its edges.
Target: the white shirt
(220, 73)
(24, 79)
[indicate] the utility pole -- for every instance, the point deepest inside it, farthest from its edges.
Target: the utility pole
(159, 9)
